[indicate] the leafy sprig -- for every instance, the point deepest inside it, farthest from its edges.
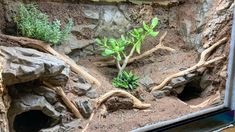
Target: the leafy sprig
(127, 81)
(32, 23)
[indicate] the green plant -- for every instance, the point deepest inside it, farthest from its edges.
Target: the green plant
(126, 80)
(116, 48)
(32, 23)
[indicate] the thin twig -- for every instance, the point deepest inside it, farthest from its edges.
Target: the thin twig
(67, 102)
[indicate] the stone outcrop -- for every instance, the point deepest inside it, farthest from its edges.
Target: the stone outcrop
(23, 65)
(27, 97)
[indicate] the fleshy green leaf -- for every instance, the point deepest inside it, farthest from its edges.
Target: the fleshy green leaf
(140, 30)
(154, 22)
(146, 27)
(154, 34)
(119, 58)
(138, 46)
(126, 80)
(108, 52)
(123, 38)
(99, 41)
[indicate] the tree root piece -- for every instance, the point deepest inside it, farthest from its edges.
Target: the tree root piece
(202, 63)
(133, 59)
(121, 93)
(40, 45)
(208, 101)
(67, 102)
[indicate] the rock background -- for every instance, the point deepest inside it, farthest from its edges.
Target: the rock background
(192, 20)
(199, 22)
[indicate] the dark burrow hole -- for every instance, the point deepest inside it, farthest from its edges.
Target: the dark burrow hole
(32, 121)
(192, 90)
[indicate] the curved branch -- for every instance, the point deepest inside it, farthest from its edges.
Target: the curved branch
(207, 102)
(136, 102)
(202, 63)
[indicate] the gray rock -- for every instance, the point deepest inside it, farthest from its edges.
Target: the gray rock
(167, 88)
(59, 107)
(66, 117)
(91, 93)
(41, 90)
(51, 97)
(84, 107)
(179, 81)
(159, 94)
(91, 13)
(146, 81)
(49, 94)
(112, 22)
(68, 127)
(24, 65)
(205, 80)
(82, 88)
(28, 101)
(74, 43)
(178, 90)
(79, 28)
(190, 76)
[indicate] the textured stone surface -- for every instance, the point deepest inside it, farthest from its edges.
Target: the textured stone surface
(24, 64)
(26, 101)
(59, 107)
(67, 127)
(91, 93)
(146, 81)
(82, 88)
(179, 81)
(84, 107)
(159, 94)
(205, 80)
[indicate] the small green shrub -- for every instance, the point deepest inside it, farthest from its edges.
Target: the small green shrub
(126, 80)
(32, 23)
(116, 48)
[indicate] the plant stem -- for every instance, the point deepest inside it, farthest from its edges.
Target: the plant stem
(126, 61)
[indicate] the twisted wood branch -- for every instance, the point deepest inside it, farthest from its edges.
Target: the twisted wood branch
(202, 63)
(121, 93)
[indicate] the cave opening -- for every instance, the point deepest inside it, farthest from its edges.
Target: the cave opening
(192, 90)
(32, 121)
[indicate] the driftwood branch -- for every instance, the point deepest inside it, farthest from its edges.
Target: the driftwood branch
(207, 102)
(40, 45)
(121, 93)
(67, 102)
(135, 58)
(202, 63)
